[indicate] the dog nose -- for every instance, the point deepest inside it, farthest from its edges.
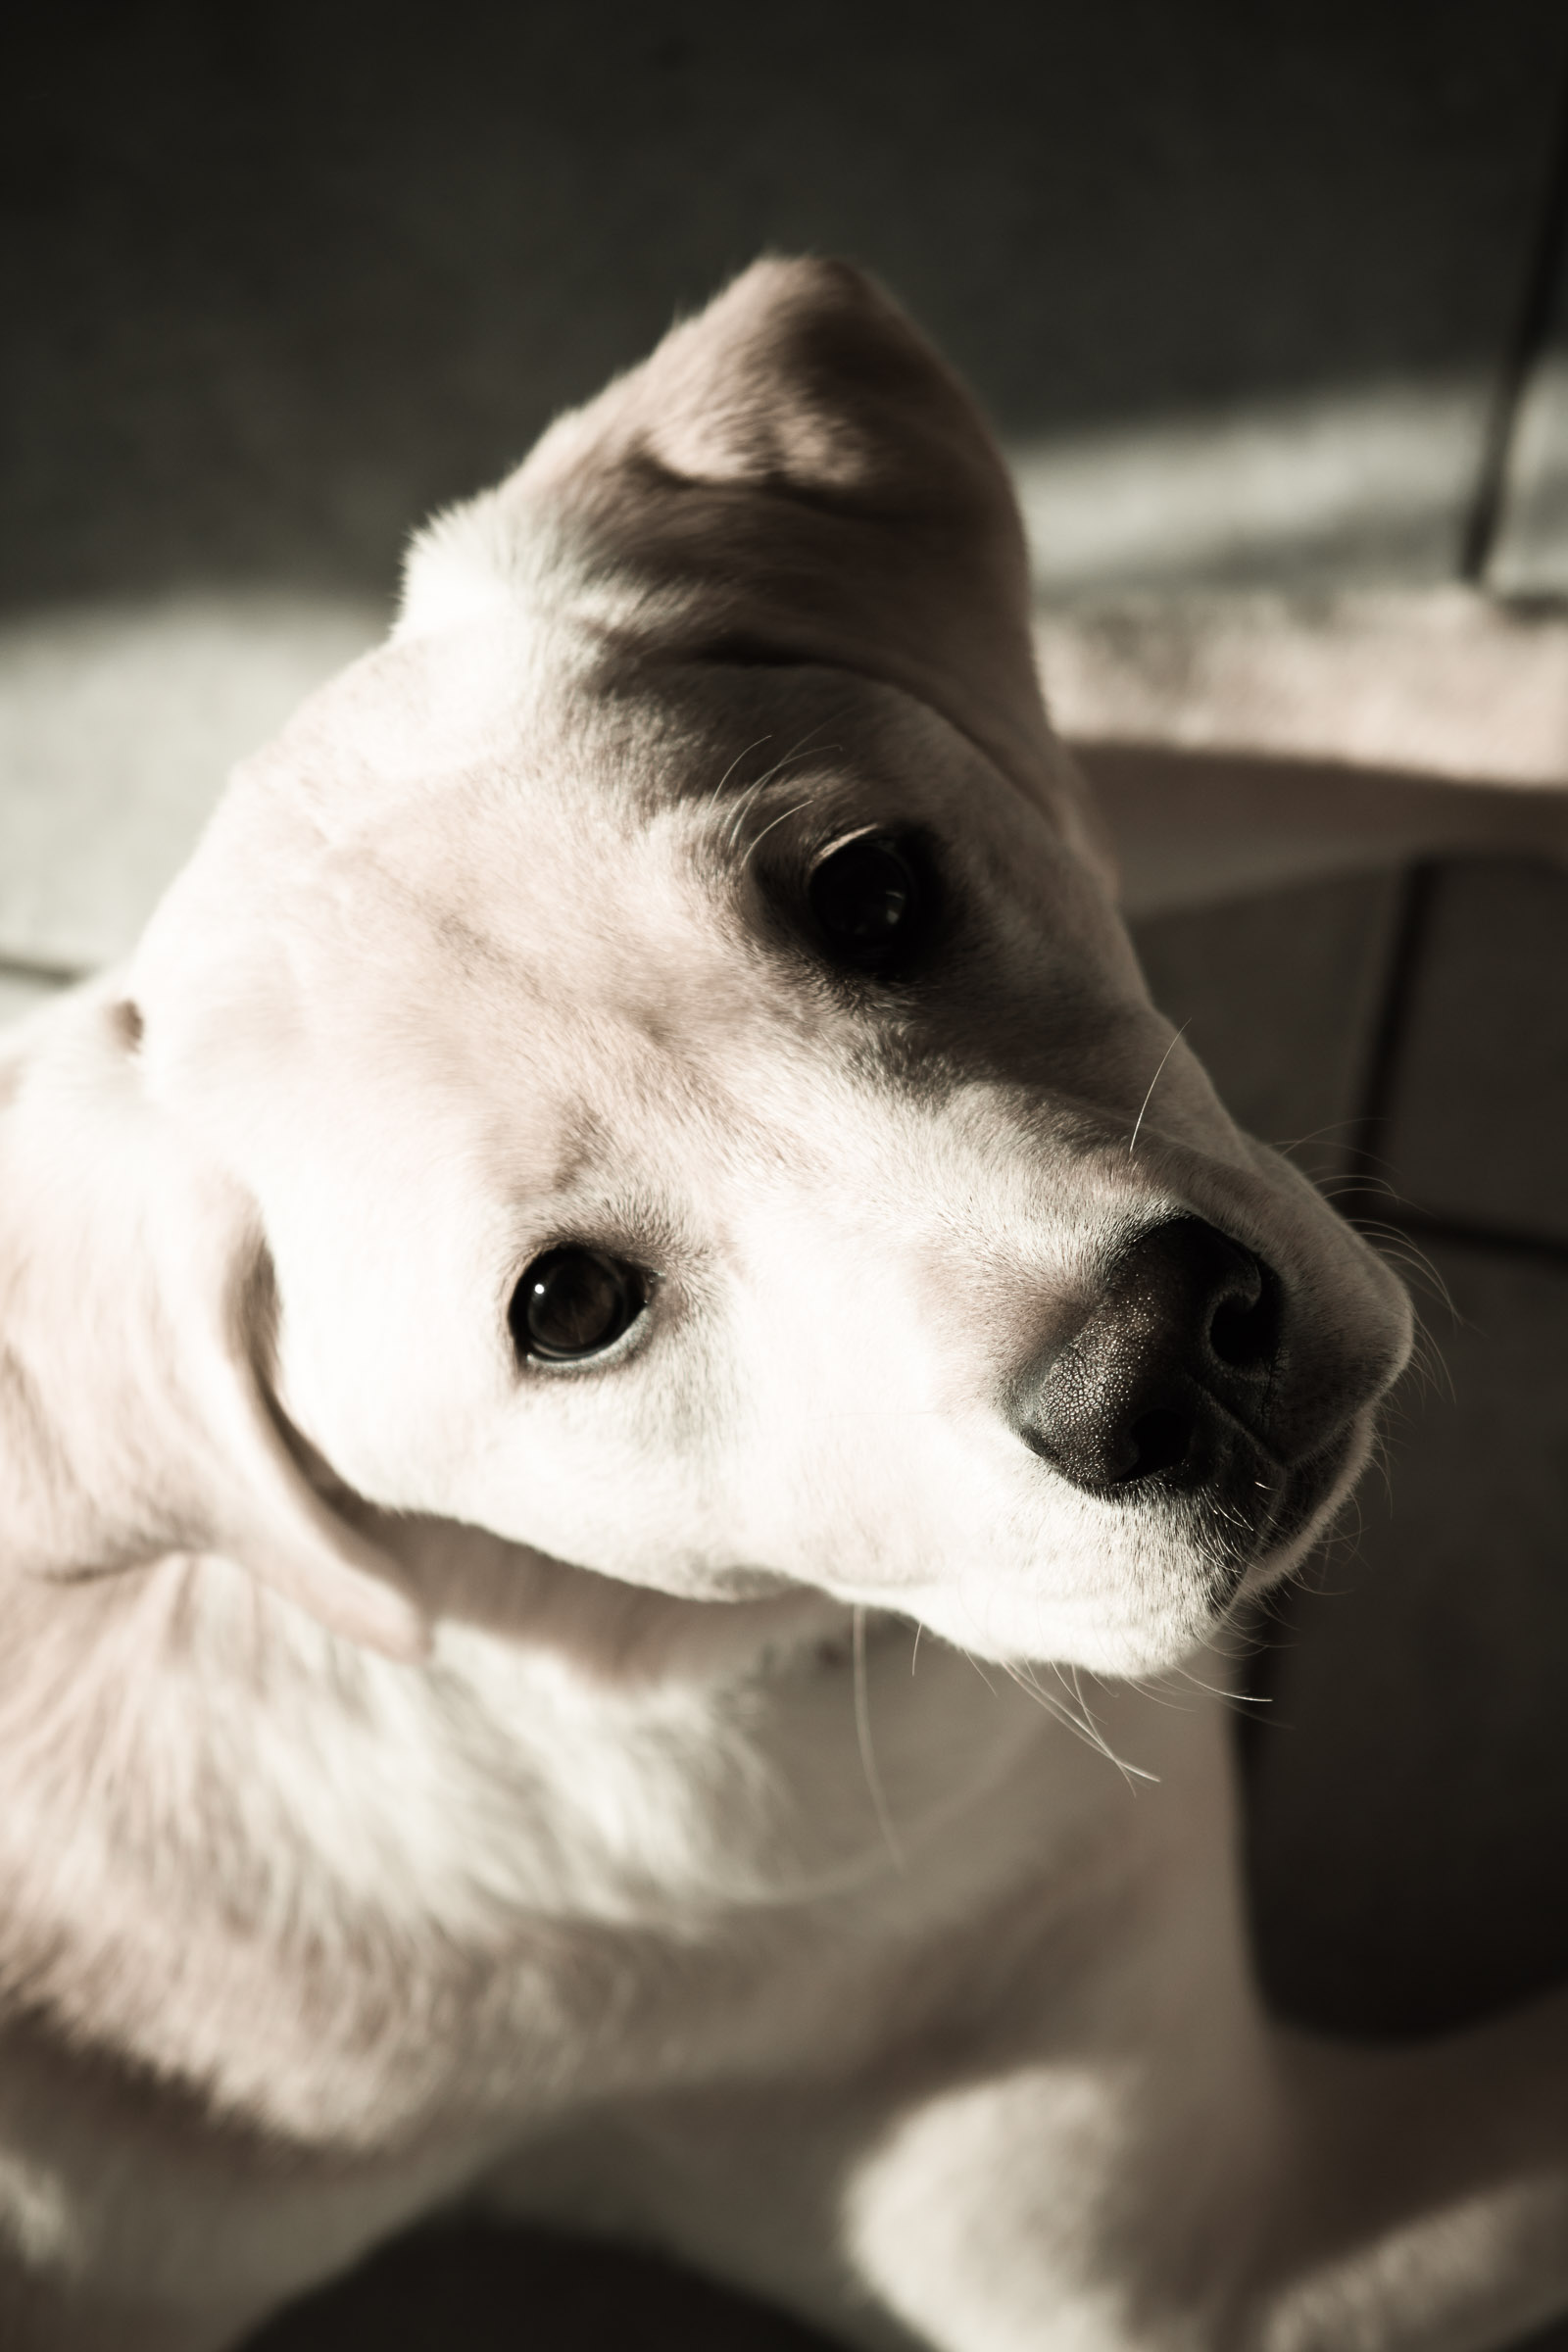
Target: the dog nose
(1177, 1352)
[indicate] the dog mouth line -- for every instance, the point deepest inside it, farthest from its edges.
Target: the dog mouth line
(1303, 1496)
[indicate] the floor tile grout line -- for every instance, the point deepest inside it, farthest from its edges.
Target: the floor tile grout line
(1402, 969)
(1459, 1233)
(1529, 339)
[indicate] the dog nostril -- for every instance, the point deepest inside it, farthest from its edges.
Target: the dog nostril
(1175, 1358)
(1244, 1333)
(1159, 1440)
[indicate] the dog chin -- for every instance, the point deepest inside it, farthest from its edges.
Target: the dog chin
(1209, 1574)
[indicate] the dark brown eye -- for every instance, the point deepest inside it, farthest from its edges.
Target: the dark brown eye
(573, 1303)
(866, 901)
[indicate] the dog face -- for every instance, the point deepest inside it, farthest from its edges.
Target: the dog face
(666, 1014)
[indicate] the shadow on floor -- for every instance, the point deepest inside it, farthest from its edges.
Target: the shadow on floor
(488, 2289)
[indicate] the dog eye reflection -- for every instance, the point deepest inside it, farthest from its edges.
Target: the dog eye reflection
(572, 1304)
(867, 903)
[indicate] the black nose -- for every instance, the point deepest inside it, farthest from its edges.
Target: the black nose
(1174, 1363)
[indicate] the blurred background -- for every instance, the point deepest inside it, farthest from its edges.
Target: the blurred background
(1268, 307)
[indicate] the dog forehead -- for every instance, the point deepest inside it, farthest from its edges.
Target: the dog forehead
(432, 790)
(515, 794)
(488, 896)
(466, 883)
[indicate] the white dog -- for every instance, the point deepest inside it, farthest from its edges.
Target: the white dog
(633, 1176)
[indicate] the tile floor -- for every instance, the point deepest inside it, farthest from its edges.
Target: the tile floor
(1409, 1769)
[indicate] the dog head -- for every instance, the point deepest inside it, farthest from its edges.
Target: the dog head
(662, 1028)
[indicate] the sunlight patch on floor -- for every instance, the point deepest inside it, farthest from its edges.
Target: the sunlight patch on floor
(117, 726)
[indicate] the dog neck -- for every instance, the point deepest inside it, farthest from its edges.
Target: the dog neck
(326, 1896)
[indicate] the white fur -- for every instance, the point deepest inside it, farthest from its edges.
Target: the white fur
(430, 1774)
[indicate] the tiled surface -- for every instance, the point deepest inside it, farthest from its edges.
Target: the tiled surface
(1479, 1132)
(1410, 1772)
(1278, 996)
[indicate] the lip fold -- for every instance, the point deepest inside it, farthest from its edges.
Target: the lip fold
(1254, 1540)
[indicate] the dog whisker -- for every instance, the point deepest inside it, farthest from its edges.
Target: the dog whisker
(754, 845)
(1132, 1142)
(748, 800)
(744, 804)
(1080, 1719)
(863, 1734)
(1234, 1702)
(1316, 1135)
(717, 793)
(975, 1663)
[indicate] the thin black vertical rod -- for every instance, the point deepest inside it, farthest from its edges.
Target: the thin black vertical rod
(1532, 333)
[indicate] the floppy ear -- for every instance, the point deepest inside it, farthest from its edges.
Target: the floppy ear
(794, 476)
(134, 1323)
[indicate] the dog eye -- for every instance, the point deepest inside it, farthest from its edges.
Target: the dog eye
(866, 901)
(573, 1303)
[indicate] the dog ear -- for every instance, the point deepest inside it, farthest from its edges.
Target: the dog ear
(794, 476)
(134, 1324)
